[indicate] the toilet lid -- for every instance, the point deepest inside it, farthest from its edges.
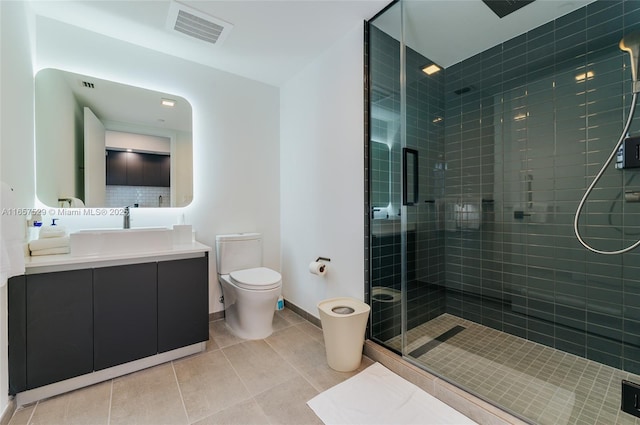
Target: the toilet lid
(260, 278)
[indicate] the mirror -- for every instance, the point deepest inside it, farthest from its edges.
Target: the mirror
(83, 123)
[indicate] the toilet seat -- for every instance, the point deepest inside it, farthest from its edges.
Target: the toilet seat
(257, 279)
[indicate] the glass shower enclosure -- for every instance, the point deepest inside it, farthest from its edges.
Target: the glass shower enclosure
(475, 171)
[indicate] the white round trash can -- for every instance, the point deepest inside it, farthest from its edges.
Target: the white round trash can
(344, 321)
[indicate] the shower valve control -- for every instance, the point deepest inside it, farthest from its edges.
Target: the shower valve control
(629, 153)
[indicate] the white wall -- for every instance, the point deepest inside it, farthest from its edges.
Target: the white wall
(322, 175)
(16, 135)
(302, 189)
(182, 163)
(55, 108)
(137, 142)
(235, 136)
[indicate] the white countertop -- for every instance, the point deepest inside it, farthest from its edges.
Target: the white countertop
(61, 262)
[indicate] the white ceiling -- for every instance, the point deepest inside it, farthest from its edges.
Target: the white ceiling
(273, 39)
(142, 107)
(270, 40)
(449, 31)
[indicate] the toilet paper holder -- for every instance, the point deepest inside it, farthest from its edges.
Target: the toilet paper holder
(319, 267)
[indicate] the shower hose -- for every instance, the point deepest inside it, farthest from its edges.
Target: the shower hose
(613, 154)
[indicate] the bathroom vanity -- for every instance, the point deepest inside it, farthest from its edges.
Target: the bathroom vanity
(79, 320)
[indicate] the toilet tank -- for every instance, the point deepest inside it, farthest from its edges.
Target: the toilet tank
(238, 251)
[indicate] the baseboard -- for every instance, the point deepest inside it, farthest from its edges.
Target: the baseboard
(300, 312)
(288, 304)
(214, 316)
(8, 412)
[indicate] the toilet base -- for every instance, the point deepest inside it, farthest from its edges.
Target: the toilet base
(249, 314)
(253, 330)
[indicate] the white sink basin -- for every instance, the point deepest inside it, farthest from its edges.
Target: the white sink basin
(120, 241)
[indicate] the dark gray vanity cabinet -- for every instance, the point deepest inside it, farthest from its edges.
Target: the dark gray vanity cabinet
(64, 324)
(125, 314)
(59, 326)
(183, 303)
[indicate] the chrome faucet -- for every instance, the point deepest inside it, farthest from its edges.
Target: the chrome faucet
(127, 222)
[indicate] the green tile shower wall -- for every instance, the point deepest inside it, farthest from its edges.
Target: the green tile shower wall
(530, 137)
(425, 133)
(526, 137)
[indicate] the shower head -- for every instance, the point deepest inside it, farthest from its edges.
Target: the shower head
(630, 43)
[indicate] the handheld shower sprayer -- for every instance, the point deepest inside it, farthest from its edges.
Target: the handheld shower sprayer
(630, 43)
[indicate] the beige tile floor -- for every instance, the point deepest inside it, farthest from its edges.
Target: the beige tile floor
(233, 382)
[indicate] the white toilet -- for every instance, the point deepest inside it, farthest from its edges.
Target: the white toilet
(250, 291)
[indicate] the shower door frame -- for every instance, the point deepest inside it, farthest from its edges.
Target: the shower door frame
(403, 202)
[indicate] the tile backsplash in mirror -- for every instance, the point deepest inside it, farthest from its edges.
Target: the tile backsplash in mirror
(143, 196)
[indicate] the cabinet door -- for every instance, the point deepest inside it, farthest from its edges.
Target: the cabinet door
(116, 167)
(125, 313)
(165, 171)
(156, 170)
(135, 169)
(183, 303)
(17, 328)
(59, 326)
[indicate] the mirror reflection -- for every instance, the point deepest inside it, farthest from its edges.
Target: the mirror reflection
(106, 144)
(380, 174)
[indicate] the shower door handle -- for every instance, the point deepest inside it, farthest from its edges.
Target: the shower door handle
(409, 176)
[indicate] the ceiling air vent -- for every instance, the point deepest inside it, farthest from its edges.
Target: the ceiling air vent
(87, 84)
(196, 24)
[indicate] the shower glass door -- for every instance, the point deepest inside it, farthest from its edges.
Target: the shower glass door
(407, 181)
(386, 143)
(475, 272)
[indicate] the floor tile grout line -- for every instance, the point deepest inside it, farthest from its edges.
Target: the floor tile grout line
(251, 397)
(110, 403)
(184, 406)
(33, 412)
(234, 369)
(298, 371)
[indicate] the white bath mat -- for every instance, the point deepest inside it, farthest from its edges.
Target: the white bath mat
(377, 396)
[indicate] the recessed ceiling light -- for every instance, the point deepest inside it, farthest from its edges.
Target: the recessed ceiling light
(586, 76)
(520, 117)
(129, 150)
(168, 102)
(431, 69)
